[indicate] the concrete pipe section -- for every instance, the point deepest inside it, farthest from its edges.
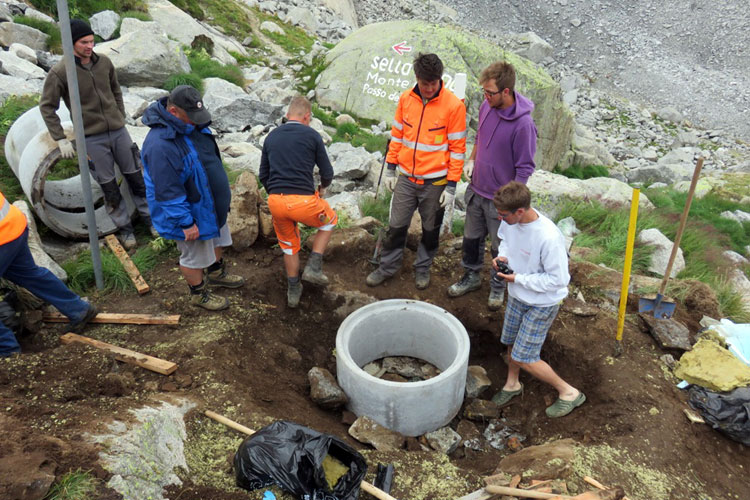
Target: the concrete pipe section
(403, 328)
(32, 154)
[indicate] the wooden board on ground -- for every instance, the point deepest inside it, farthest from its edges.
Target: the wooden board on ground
(121, 318)
(126, 355)
(135, 275)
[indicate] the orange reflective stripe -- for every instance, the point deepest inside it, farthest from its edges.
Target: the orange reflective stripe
(12, 221)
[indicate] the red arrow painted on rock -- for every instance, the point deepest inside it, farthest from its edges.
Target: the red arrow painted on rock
(400, 48)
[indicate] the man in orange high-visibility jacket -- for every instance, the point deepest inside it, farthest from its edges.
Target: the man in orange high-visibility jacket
(425, 161)
(17, 265)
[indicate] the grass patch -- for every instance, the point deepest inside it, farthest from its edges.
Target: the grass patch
(184, 79)
(83, 9)
(11, 109)
(202, 65)
(377, 207)
(328, 119)
(293, 40)
(587, 172)
(705, 238)
(457, 227)
(81, 270)
(309, 74)
(247, 60)
(351, 133)
(63, 169)
(75, 485)
(54, 42)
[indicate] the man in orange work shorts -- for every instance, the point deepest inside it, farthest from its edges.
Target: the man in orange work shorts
(290, 153)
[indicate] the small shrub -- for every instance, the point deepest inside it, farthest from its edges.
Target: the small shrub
(293, 40)
(75, 485)
(379, 207)
(184, 79)
(587, 172)
(457, 227)
(324, 116)
(351, 133)
(205, 67)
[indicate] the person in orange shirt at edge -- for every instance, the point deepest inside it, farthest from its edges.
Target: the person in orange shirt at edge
(18, 266)
(425, 161)
(290, 153)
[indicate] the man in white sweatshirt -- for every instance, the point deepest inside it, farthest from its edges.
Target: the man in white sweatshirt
(533, 260)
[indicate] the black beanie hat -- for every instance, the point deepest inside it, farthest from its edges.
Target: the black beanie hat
(79, 29)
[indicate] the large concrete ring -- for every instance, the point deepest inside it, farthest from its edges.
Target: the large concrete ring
(403, 328)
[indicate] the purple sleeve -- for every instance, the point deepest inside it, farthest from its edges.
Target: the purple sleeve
(524, 148)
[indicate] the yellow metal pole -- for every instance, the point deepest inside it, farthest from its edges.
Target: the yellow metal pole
(626, 269)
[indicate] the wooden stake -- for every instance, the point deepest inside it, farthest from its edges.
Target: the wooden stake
(135, 275)
(121, 318)
(366, 487)
(596, 484)
(515, 492)
(126, 355)
(480, 494)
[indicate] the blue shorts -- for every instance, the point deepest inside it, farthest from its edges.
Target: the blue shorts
(525, 328)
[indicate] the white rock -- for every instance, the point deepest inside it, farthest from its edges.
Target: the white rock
(18, 33)
(105, 23)
(300, 16)
(662, 250)
(20, 68)
(23, 52)
(39, 16)
(271, 27)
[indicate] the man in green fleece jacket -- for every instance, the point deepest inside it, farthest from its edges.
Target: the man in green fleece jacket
(107, 139)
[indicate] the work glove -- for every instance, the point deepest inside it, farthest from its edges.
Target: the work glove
(468, 168)
(390, 179)
(66, 148)
(447, 196)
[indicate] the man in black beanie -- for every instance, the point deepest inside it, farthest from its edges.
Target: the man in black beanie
(107, 139)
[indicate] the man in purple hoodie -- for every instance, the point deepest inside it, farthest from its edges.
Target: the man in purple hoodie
(503, 151)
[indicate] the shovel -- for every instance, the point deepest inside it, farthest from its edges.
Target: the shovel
(661, 307)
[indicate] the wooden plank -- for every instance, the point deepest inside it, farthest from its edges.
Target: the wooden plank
(126, 355)
(135, 275)
(479, 494)
(121, 318)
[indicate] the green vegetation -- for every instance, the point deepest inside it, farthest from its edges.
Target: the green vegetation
(81, 270)
(184, 79)
(350, 132)
(706, 235)
(54, 42)
(327, 118)
(192, 7)
(247, 60)
(202, 65)
(63, 169)
(377, 207)
(75, 485)
(309, 74)
(587, 172)
(83, 9)
(457, 227)
(13, 107)
(293, 40)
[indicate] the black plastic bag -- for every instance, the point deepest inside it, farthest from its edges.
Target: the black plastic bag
(291, 456)
(727, 412)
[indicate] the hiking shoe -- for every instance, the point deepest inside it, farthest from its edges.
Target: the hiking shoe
(314, 276)
(78, 326)
(375, 278)
(128, 240)
(469, 282)
(422, 279)
(208, 300)
(293, 294)
(495, 300)
(503, 397)
(560, 408)
(222, 278)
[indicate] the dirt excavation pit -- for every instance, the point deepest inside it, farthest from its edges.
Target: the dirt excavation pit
(250, 364)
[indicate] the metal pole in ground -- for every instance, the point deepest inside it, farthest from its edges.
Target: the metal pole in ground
(75, 113)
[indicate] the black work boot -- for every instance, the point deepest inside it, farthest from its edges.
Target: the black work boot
(313, 272)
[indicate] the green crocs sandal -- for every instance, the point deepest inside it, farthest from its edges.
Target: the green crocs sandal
(560, 408)
(503, 397)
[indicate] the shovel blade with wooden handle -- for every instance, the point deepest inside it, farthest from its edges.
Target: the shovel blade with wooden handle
(661, 307)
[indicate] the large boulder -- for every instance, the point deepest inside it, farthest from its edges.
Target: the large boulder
(365, 76)
(11, 33)
(345, 10)
(233, 110)
(183, 28)
(18, 67)
(662, 249)
(105, 23)
(550, 191)
(243, 214)
(11, 85)
(144, 55)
